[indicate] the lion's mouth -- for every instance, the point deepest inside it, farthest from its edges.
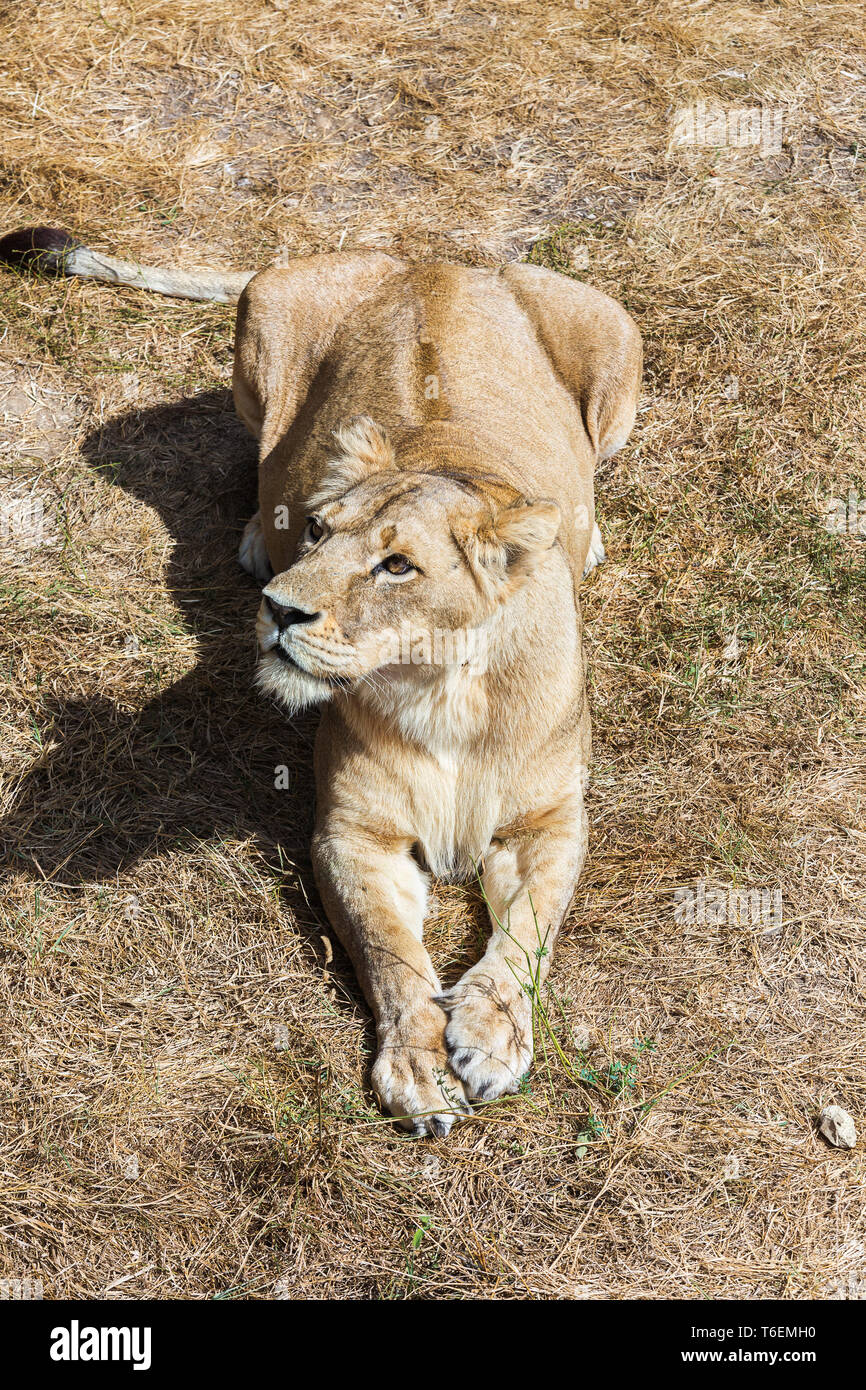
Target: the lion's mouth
(290, 661)
(278, 650)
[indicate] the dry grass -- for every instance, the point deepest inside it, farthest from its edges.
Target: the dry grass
(184, 1077)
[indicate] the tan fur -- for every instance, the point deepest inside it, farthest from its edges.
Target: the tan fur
(454, 417)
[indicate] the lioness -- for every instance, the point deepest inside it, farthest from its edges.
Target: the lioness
(428, 436)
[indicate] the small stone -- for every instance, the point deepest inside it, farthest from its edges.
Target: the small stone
(837, 1127)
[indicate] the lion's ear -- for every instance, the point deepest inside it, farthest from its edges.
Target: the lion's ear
(527, 528)
(507, 548)
(363, 448)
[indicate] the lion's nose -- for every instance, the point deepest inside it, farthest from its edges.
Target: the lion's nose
(287, 617)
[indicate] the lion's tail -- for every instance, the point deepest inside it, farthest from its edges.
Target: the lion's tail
(54, 252)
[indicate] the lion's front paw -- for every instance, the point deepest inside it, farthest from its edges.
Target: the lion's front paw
(489, 1034)
(413, 1080)
(253, 552)
(596, 554)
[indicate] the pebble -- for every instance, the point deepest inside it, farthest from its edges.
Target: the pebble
(837, 1127)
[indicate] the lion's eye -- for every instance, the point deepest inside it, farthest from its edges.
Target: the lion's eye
(397, 564)
(315, 530)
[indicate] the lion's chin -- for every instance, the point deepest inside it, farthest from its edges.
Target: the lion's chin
(294, 688)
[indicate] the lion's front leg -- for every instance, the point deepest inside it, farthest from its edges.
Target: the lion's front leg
(528, 882)
(375, 896)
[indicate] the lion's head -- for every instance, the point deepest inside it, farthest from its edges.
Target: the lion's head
(399, 570)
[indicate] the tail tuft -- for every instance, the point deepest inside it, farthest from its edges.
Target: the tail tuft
(44, 249)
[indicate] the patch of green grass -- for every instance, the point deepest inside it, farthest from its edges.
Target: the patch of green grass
(560, 248)
(616, 1076)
